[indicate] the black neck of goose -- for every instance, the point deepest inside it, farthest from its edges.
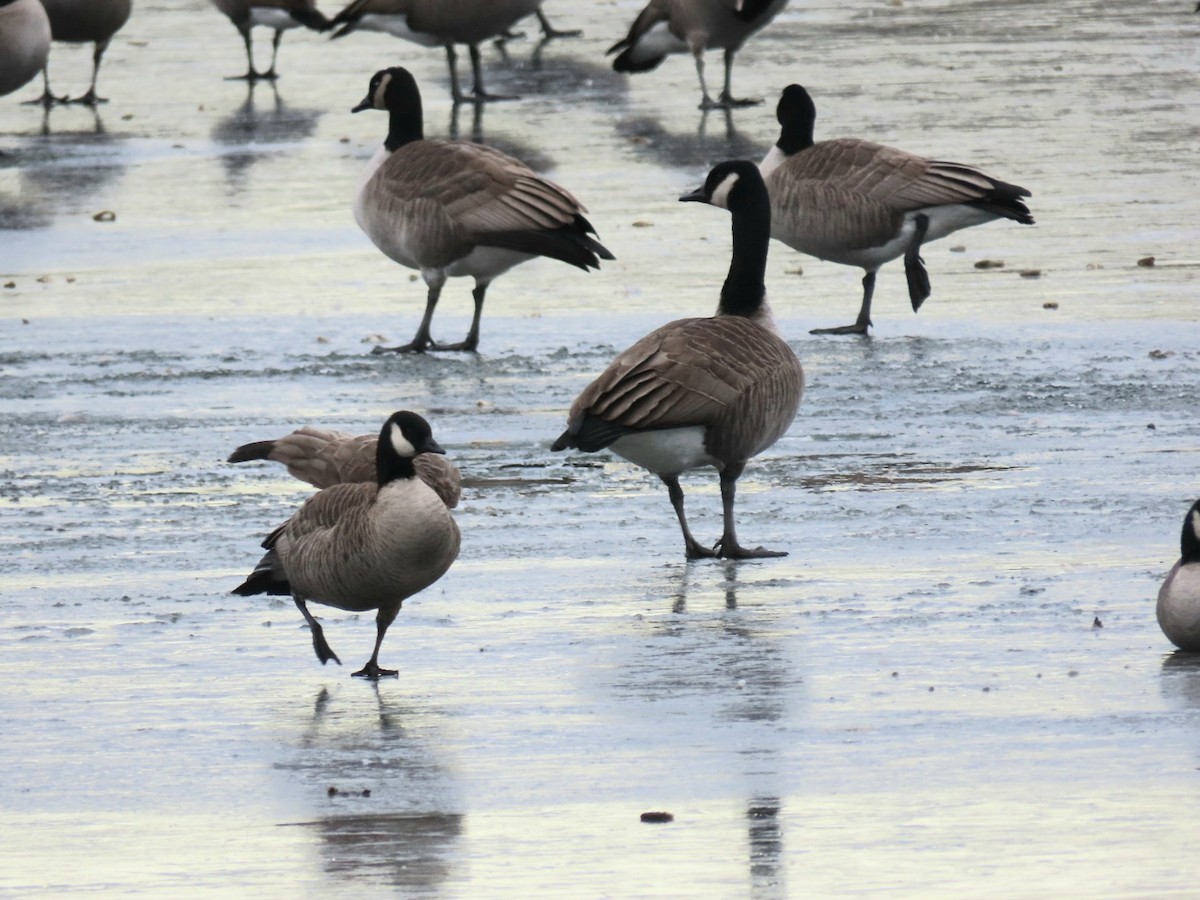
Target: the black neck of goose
(1190, 543)
(405, 126)
(795, 136)
(744, 289)
(390, 465)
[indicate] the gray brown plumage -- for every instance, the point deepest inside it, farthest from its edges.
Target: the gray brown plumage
(84, 22)
(693, 26)
(323, 457)
(862, 204)
(705, 391)
(457, 208)
(24, 42)
(1178, 605)
(278, 15)
(362, 546)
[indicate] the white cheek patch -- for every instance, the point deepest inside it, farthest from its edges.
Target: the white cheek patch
(720, 196)
(381, 91)
(401, 444)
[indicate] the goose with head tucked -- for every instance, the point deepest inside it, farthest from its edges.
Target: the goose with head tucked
(363, 546)
(278, 15)
(24, 42)
(863, 204)
(323, 457)
(664, 27)
(450, 208)
(1178, 607)
(700, 392)
(84, 22)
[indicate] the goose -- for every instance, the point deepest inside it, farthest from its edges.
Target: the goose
(441, 23)
(279, 15)
(362, 546)
(83, 22)
(323, 457)
(693, 26)
(454, 208)
(702, 391)
(862, 204)
(24, 42)
(1178, 608)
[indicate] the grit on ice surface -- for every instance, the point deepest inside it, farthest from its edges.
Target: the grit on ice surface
(918, 700)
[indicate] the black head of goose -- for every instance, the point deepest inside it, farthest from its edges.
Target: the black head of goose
(1178, 607)
(323, 457)
(278, 15)
(863, 204)
(368, 545)
(24, 42)
(84, 22)
(444, 23)
(664, 27)
(704, 391)
(453, 208)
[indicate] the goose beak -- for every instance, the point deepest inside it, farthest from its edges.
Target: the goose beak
(697, 195)
(366, 103)
(431, 446)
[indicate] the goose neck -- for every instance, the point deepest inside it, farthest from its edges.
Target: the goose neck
(404, 127)
(744, 291)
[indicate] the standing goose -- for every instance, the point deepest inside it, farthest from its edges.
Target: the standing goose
(1178, 608)
(24, 42)
(861, 204)
(693, 26)
(454, 208)
(322, 457)
(84, 22)
(441, 23)
(279, 15)
(705, 391)
(369, 545)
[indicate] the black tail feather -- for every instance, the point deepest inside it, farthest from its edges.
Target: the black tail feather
(247, 452)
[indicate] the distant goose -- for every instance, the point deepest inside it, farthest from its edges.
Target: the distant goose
(861, 204)
(84, 22)
(442, 23)
(322, 457)
(455, 208)
(369, 545)
(279, 15)
(693, 26)
(24, 42)
(706, 391)
(1178, 607)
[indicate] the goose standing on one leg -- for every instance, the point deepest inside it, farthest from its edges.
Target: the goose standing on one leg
(323, 457)
(279, 15)
(441, 23)
(705, 391)
(24, 42)
(363, 546)
(1178, 608)
(84, 22)
(862, 204)
(454, 208)
(693, 26)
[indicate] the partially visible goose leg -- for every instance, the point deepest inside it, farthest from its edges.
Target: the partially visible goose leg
(549, 32)
(863, 322)
(421, 340)
(471, 342)
(91, 98)
(324, 653)
(270, 74)
(727, 99)
(693, 549)
(47, 99)
(251, 75)
(706, 102)
(478, 93)
(728, 547)
(914, 267)
(371, 669)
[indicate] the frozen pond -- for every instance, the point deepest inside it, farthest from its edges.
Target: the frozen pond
(953, 685)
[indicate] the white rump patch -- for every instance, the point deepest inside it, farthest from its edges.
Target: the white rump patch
(402, 445)
(666, 452)
(278, 19)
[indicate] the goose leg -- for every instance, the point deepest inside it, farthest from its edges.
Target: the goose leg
(706, 102)
(324, 653)
(371, 669)
(251, 75)
(914, 267)
(452, 62)
(728, 547)
(727, 99)
(693, 549)
(549, 31)
(421, 340)
(91, 98)
(863, 322)
(478, 93)
(471, 342)
(270, 74)
(47, 99)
